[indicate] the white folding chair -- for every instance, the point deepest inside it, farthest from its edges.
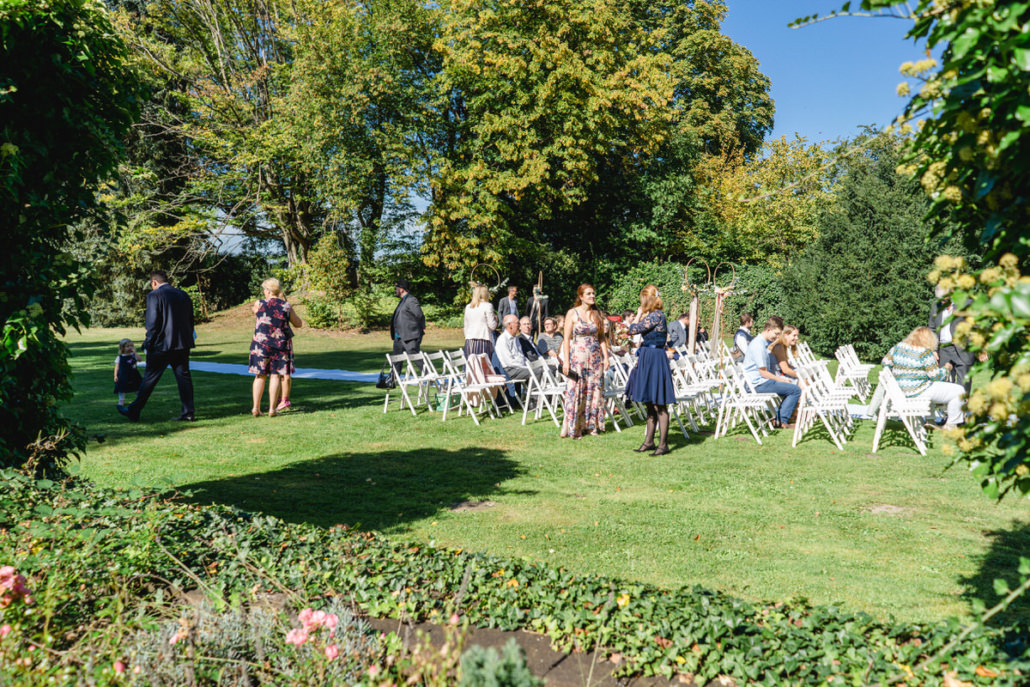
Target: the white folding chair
(913, 412)
(740, 402)
(542, 389)
(851, 372)
(827, 404)
(404, 375)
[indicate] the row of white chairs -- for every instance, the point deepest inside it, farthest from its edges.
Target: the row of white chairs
(707, 389)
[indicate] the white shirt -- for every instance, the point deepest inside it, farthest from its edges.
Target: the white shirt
(945, 333)
(509, 352)
(757, 356)
(480, 321)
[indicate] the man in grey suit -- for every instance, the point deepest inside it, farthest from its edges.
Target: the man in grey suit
(408, 323)
(678, 331)
(961, 360)
(168, 342)
(508, 306)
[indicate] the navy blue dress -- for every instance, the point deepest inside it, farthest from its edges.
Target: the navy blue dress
(651, 380)
(128, 375)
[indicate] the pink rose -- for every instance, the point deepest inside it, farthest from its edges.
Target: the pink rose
(5, 630)
(331, 621)
(305, 616)
(373, 671)
(331, 652)
(7, 571)
(119, 667)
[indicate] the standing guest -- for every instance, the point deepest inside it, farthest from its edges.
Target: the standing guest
(408, 324)
(915, 366)
(584, 357)
(759, 368)
(650, 382)
(742, 339)
(549, 343)
(168, 341)
(480, 322)
(559, 325)
(784, 348)
(271, 349)
(126, 372)
(678, 331)
(537, 310)
(511, 354)
(508, 305)
(941, 310)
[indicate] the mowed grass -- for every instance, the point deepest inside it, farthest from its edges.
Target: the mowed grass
(890, 533)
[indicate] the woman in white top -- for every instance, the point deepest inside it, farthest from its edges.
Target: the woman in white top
(480, 323)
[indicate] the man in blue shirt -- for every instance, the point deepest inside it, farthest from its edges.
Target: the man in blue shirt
(758, 366)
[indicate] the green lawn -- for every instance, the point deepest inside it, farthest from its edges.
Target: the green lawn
(890, 533)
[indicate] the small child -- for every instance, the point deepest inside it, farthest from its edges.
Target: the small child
(126, 376)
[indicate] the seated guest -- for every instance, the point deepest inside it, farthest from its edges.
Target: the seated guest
(510, 354)
(702, 334)
(915, 366)
(678, 331)
(760, 372)
(549, 342)
(742, 339)
(786, 346)
(526, 341)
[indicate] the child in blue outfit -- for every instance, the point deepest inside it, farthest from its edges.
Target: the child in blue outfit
(126, 375)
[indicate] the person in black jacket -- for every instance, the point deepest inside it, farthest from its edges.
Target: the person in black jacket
(168, 341)
(408, 324)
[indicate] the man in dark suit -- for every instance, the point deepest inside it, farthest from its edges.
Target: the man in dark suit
(961, 360)
(408, 323)
(168, 341)
(537, 310)
(508, 305)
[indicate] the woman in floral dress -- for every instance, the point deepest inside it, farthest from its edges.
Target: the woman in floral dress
(271, 349)
(584, 355)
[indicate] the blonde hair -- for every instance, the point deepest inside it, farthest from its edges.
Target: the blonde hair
(782, 339)
(650, 299)
(923, 337)
(480, 294)
(272, 286)
(123, 345)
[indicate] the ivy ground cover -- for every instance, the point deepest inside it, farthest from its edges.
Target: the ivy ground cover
(890, 534)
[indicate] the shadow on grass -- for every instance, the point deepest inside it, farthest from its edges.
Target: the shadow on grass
(896, 436)
(1002, 561)
(382, 491)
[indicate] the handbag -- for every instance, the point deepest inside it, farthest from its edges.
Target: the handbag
(386, 380)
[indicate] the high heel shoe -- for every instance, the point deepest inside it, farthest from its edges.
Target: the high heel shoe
(644, 448)
(661, 451)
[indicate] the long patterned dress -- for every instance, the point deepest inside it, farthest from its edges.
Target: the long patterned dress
(584, 399)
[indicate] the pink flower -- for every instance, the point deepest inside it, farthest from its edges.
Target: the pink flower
(331, 621)
(297, 636)
(331, 652)
(119, 667)
(317, 618)
(305, 616)
(7, 571)
(177, 637)
(5, 630)
(455, 619)
(373, 671)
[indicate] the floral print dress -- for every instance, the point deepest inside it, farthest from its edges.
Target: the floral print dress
(271, 349)
(584, 399)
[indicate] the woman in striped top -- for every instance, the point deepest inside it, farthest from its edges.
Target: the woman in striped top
(915, 366)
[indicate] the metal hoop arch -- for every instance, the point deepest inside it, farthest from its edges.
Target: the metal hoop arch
(686, 273)
(497, 274)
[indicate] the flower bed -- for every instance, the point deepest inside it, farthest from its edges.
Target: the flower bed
(89, 554)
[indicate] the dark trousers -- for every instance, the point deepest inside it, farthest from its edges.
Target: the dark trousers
(960, 364)
(156, 364)
(413, 346)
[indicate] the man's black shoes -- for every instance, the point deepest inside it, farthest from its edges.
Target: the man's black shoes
(186, 417)
(124, 410)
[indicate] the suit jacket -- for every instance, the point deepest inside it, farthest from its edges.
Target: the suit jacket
(408, 322)
(528, 349)
(505, 306)
(535, 308)
(677, 334)
(937, 309)
(169, 320)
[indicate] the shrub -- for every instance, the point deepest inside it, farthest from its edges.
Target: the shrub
(487, 668)
(66, 100)
(321, 313)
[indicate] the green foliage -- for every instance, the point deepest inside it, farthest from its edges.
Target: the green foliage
(103, 548)
(487, 668)
(321, 314)
(327, 272)
(972, 156)
(862, 280)
(66, 99)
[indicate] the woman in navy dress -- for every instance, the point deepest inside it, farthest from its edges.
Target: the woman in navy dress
(650, 382)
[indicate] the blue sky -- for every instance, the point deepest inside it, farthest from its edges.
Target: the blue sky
(828, 78)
